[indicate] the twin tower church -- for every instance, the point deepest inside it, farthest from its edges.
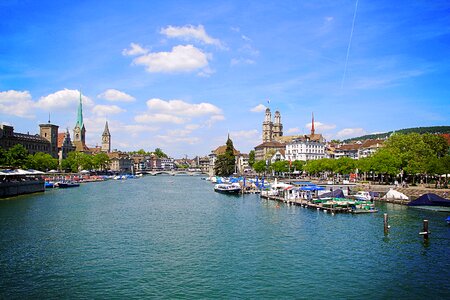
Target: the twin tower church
(79, 135)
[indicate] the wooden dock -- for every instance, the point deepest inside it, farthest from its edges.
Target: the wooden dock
(318, 206)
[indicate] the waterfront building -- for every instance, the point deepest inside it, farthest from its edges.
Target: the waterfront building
(280, 155)
(266, 150)
(106, 139)
(369, 147)
(202, 163)
(167, 164)
(79, 132)
(33, 143)
(120, 162)
(64, 145)
(347, 150)
(304, 149)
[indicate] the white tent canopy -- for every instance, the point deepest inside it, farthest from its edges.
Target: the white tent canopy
(395, 195)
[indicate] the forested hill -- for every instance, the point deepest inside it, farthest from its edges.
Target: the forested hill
(433, 129)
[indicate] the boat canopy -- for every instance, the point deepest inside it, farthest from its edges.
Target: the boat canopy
(430, 199)
(338, 193)
(393, 194)
(311, 188)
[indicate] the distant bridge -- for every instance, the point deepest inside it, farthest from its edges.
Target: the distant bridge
(173, 173)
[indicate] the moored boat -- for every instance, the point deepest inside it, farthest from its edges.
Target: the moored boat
(227, 188)
(67, 184)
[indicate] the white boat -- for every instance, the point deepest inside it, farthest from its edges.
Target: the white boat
(365, 196)
(227, 188)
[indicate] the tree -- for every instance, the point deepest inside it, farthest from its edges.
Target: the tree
(280, 166)
(384, 161)
(251, 158)
(344, 165)
(297, 165)
(226, 163)
(17, 156)
(3, 157)
(260, 166)
(100, 161)
(42, 161)
(158, 152)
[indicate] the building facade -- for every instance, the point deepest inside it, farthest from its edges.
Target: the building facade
(33, 143)
(272, 130)
(304, 149)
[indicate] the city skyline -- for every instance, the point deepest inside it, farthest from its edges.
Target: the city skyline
(180, 76)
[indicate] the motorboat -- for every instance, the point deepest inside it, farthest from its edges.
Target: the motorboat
(67, 184)
(364, 196)
(227, 188)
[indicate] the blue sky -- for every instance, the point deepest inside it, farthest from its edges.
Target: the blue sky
(181, 75)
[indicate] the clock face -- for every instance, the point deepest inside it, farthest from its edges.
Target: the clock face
(105, 139)
(77, 130)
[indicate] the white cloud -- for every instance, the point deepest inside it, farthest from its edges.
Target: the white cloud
(214, 119)
(135, 49)
(16, 103)
(318, 126)
(258, 108)
(244, 134)
(105, 110)
(191, 33)
(181, 59)
(62, 100)
(192, 127)
(182, 108)
(159, 118)
(351, 132)
(115, 95)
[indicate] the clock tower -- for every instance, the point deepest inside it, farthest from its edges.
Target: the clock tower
(106, 139)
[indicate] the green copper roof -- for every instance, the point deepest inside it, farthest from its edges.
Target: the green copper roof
(80, 114)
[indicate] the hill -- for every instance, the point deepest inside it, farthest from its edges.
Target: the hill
(421, 130)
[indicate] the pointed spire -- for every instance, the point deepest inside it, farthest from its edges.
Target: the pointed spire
(312, 125)
(80, 113)
(48, 118)
(106, 131)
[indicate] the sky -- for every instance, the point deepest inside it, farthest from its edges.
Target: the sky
(182, 75)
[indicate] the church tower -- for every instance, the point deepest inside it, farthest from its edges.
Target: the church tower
(267, 127)
(277, 126)
(312, 126)
(50, 133)
(79, 132)
(106, 139)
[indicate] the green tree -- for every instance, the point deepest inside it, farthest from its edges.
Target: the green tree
(385, 162)
(344, 165)
(297, 165)
(42, 161)
(158, 152)
(17, 156)
(280, 166)
(251, 158)
(100, 161)
(260, 166)
(226, 163)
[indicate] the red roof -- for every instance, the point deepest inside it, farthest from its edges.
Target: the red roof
(61, 137)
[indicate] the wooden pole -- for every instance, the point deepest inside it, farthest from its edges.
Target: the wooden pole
(425, 232)
(386, 224)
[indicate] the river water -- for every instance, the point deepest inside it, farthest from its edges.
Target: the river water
(174, 237)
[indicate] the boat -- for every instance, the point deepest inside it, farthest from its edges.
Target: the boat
(364, 196)
(448, 220)
(49, 184)
(431, 201)
(67, 184)
(227, 188)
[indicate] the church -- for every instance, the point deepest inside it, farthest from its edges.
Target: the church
(79, 135)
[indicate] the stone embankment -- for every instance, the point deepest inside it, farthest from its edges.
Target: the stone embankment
(412, 192)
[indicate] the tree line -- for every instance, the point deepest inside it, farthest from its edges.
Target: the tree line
(409, 156)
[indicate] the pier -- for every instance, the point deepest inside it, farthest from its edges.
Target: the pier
(318, 206)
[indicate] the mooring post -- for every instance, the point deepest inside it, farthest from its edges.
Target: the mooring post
(386, 224)
(425, 231)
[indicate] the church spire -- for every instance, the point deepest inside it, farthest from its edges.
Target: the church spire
(106, 131)
(80, 113)
(312, 125)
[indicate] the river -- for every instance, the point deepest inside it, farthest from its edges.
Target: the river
(172, 237)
